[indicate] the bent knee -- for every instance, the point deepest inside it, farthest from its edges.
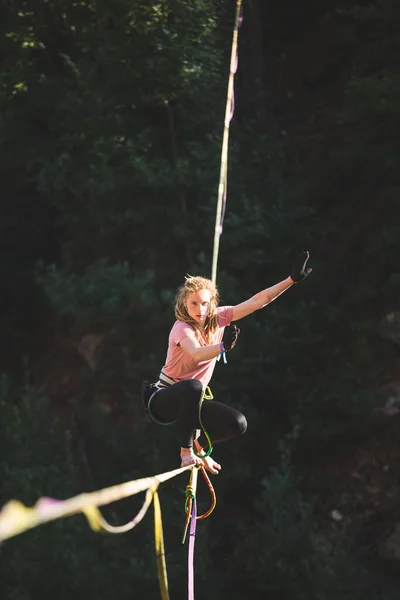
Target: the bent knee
(195, 385)
(192, 387)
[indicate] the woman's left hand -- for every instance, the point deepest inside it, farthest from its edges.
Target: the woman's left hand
(300, 270)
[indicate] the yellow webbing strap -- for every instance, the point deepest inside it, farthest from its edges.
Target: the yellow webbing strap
(160, 551)
(15, 517)
(98, 523)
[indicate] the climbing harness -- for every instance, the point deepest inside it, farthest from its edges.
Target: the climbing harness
(163, 378)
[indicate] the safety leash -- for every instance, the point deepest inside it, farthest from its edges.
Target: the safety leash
(190, 494)
(206, 395)
(212, 494)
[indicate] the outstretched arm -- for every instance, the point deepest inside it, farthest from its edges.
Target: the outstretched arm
(300, 272)
(261, 299)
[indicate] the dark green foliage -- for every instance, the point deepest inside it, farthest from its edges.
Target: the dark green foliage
(104, 292)
(103, 108)
(38, 460)
(290, 556)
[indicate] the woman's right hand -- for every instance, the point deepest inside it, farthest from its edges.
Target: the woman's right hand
(230, 337)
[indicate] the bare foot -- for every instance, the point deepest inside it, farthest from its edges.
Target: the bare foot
(208, 463)
(189, 458)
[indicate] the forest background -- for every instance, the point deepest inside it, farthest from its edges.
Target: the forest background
(111, 128)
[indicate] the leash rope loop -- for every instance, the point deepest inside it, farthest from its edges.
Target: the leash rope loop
(206, 395)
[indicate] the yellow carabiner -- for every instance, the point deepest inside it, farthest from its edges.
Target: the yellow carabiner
(207, 394)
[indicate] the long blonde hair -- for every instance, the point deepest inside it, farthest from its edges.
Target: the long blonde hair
(193, 285)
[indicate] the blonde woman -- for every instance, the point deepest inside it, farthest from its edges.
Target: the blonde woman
(202, 332)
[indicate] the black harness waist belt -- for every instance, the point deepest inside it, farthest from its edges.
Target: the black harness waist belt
(165, 380)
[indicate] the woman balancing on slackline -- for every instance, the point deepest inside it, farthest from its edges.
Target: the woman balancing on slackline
(200, 334)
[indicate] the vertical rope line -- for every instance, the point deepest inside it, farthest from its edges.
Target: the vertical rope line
(223, 178)
(192, 533)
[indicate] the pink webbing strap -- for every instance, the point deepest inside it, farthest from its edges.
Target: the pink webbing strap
(192, 534)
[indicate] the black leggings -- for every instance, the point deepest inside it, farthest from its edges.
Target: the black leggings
(180, 402)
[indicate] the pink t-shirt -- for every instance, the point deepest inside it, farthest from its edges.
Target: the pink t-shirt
(179, 365)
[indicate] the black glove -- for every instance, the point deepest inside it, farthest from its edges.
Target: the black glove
(300, 271)
(230, 336)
